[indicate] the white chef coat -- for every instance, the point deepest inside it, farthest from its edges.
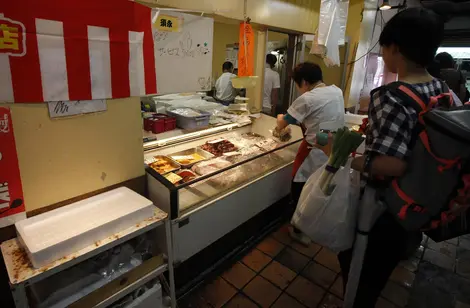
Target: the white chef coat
(271, 81)
(224, 89)
(315, 109)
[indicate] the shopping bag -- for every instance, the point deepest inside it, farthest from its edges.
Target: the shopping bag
(329, 220)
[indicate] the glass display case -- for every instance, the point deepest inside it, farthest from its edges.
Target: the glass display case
(223, 177)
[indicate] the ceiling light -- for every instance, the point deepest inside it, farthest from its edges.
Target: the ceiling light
(385, 6)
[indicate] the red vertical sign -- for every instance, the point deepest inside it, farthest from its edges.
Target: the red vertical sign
(11, 192)
(246, 52)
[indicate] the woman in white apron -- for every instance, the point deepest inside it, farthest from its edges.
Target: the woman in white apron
(318, 107)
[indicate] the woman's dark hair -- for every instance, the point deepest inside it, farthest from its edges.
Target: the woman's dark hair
(445, 60)
(271, 59)
(227, 66)
(310, 72)
(417, 33)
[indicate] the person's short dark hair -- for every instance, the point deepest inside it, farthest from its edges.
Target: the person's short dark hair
(227, 66)
(310, 72)
(445, 60)
(417, 33)
(271, 59)
(434, 69)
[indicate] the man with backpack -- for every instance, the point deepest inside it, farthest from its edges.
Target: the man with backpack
(412, 158)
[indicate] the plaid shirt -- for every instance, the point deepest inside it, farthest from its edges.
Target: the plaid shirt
(391, 123)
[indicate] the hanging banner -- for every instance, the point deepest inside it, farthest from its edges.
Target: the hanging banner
(12, 206)
(246, 51)
(75, 50)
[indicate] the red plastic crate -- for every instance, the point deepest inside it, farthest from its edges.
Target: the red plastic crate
(159, 123)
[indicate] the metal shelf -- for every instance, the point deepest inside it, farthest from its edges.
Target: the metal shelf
(20, 270)
(123, 292)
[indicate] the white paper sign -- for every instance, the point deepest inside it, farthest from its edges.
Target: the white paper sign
(69, 108)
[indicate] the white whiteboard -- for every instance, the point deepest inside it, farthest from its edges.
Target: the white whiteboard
(183, 59)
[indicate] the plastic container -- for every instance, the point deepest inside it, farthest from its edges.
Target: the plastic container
(152, 298)
(188, 122)
(159, 123)
(53, 235)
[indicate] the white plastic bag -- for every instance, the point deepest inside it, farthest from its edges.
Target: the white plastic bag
(329, 220)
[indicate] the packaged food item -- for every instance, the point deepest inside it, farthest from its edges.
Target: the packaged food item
(267, 145)
(173, 178)
(210, 166)
(219, 147)
(188, 159)
(187, 112)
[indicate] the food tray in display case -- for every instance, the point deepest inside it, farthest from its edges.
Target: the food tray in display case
(162, 164)
(187, 158)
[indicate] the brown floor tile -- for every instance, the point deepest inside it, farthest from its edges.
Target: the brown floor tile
(444, 248)
(396, 294)
(282, 235)
(383, 303)
(337, 288)
(241, 301)
(310, 251)
(256, 260)
(239, 275)
(262, 291)
(439, 259)
(306, 292)
(329, 259)
(403, 277)
(218, 292)
(270, 246)
(331, 301)
(278, 274)
(411, 264)
(285, 301)
(292, 259)
(319, 274)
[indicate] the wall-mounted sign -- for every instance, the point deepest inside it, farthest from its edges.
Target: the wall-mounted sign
(12, 206)
(168, 23)
(69, 108)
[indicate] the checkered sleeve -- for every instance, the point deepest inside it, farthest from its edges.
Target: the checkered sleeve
(391, 125)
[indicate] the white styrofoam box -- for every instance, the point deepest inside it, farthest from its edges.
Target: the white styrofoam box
(152, 298)
(50, 236)
(351, 119)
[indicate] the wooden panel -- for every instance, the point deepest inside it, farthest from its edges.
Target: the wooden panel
(139, 185)
(294, 15)
(64, 158)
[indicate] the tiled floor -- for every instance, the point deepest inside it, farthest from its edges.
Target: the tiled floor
(280, 273)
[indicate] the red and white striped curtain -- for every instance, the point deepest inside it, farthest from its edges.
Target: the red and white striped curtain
(53, 50)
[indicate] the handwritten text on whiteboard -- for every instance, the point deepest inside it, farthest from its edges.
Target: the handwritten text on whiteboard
(69, 108)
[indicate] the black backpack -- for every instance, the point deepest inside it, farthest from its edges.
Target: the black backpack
(434, 193)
